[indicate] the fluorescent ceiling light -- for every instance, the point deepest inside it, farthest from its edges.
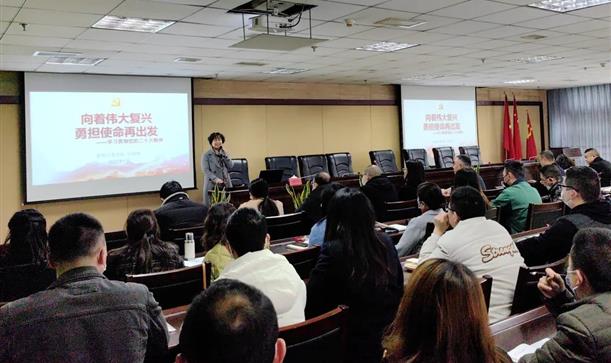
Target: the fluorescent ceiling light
(74, 61)
(286, 71)
(43, 53)
(187, 60)
(386, 47)
(563, 6)
(521, 81)
(132, 24)
(536, 59)
(400, 23)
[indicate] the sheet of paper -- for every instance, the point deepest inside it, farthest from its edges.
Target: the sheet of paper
(398, 227)
(193, 262)
(170, 328)
(523, 349)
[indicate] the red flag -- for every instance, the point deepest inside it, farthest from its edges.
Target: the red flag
(507, 141)
(531, 146)
(517, 140)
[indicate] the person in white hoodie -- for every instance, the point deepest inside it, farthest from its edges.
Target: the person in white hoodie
(259, 267)
(483, 245)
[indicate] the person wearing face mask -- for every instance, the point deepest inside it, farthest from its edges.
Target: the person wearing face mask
(581, 303)
(581, 194)
(215, 165)
(516, 197)
(481, 244)
(550, 179)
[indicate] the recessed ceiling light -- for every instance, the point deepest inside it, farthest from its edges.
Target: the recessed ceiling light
(132, 24)
(187, 60)
(401, 23)
(536, 59)
(386, 47)
(533, 37)
(286, 71)
(74, 61)
(562, 6)
(521, 81)
(43, 53)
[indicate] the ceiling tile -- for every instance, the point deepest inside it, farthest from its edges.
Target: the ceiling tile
(189, 2)
(154, 10)
(600, 11)
(503, 32)
(46, 30)
(335, 29)
(98, 45)
(511, 16)
(3, 26)
(465, 27)
(551, 21)
(77, 6)
(419, 6)
(34, 41)
(331, 11)
(114, 35)
(381, 34)
(213, 16)
(52, 17)
(7, 13)
(200, 30)
(585, 26)
(371, 15)
(472, 9)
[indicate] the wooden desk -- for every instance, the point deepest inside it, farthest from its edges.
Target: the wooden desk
(528, 327)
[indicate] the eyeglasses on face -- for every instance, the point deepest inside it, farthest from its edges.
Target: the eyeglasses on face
(569, 187)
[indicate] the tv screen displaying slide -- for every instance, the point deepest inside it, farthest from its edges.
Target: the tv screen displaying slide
(438, 116)
(95, 135)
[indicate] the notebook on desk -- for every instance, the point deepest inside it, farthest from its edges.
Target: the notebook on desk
(523, 349)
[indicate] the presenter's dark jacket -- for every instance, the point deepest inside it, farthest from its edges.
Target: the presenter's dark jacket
(556, 242)
(583, 331)
(311, 207)
(178, 211)
(372, 307)
(84, 317)
(603, 168)
(380, 190)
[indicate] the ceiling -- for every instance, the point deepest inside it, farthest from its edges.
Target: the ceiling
(462, 42)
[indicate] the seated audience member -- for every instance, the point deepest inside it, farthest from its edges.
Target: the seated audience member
(482, 245)
(581, 194)
(144, 252)
(430, 203)
(602, 166)
(463, 162)
(379, 189)
(357, 268)
(546, 158)
(516, 197)
(259, 267)
(26, 242)
(414, 176)
(83, 316)
(214, 239)
(259, 199)
(442, 318)
(177, 210)
(317, 232)
(564, 162)
(231, 322)
(469, 178)
(311, 205)
(583, 308)
(550, 178)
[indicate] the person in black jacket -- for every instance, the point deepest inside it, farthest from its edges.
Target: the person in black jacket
(379, 189)
(550, 177)
(602, 166)
(311, 206)
(357, 268)
(581, 193)
(177, 210)
(414, 176)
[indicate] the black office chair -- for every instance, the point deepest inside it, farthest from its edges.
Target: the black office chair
(286, 225)
(527, 295)
(416, 154)
(288, 165)
(312, 164)
(444, 156)
(385, 159)
(472, 152)
(340, 164)
(239, 173)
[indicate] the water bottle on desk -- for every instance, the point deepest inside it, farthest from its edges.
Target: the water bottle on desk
(189, 246)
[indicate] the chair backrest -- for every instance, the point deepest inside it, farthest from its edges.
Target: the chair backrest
(115, 239)
(472, 152)
(527, 295)
(444, 156)
(540, 215)
(177, 236)
(239, 173)
(492, 214)
(416, 154)
(492, 193)
(23, 280)
(175, 287)
(287, 225)
(385, 159)
(303, 260)
(288, 165)
(312, 164)
(486, 285)
(403, 209)
(320, 339)
(340, 164)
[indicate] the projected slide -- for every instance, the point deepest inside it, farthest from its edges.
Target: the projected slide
(91, 142)
(438, 116)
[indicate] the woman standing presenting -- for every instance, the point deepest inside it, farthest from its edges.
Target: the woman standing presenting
(215, 165)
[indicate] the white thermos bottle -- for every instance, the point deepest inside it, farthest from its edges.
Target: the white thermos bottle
(189, 246)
